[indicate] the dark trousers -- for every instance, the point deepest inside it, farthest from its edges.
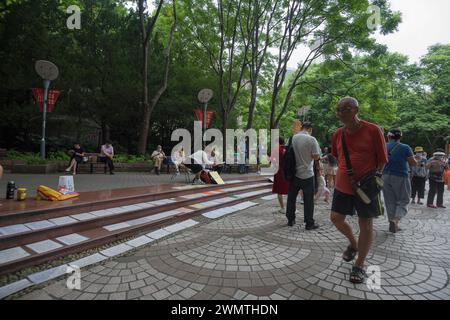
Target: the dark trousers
(418, 187)
(436, 187)
(109, 162)
(307, 185)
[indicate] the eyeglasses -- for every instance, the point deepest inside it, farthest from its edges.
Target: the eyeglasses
(344, 109)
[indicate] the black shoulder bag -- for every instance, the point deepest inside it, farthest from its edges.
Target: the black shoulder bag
(369, 186)
(289, 164)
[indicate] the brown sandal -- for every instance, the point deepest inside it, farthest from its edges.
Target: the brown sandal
(349, 254)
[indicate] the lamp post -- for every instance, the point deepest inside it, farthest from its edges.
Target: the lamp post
(302, 112)
(48, 72)
(204, 96)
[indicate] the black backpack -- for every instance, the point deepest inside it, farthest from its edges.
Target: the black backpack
(289, 164)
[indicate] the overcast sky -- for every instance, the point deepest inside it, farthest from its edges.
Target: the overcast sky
(424, 23)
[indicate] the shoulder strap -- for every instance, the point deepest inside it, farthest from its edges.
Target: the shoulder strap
(393, 149)
(289, 144)
(347, 156)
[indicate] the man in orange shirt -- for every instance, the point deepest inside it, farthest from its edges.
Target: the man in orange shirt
(367, 150)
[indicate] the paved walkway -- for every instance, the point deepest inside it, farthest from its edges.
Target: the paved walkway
(252, 254)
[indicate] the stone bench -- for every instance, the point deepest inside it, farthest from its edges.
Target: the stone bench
(94, 162)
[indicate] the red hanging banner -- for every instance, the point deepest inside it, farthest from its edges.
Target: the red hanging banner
(209, 116)
(53, 95)
(199, 116)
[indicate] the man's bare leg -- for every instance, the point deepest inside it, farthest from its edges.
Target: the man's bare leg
(365, 240)
(342, 225)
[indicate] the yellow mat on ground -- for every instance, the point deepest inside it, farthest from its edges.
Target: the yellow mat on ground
(216, 177)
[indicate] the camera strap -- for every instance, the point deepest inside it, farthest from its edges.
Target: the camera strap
(346, 155)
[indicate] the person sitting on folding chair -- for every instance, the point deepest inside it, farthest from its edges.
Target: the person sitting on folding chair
(216, 158)
(178, 159)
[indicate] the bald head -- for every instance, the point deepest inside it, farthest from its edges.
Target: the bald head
(296, 127)
(348, 102)
(347, 110)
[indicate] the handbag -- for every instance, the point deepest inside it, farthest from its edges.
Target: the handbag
(368, 187)
(205, 177)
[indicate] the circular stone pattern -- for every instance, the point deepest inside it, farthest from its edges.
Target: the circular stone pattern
(242, 254)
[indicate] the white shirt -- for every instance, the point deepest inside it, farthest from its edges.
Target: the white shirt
(178, 157)
(107, 151)
(305, 146)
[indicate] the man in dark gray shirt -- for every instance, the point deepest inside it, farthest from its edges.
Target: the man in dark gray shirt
(306, 150)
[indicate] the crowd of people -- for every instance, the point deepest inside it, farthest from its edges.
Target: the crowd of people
(354, 172)
(359, 165)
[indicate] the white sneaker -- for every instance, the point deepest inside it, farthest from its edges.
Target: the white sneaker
(67, 170)
(281, 211)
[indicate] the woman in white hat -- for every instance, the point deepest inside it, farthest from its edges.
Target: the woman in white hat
(436, 166)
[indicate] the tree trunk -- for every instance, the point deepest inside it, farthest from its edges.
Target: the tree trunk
(251, 108)
(143, 136)
(146, 32)
(106, 133)
(224, 133)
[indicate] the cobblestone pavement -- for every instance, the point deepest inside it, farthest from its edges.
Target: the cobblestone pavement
(252, 254)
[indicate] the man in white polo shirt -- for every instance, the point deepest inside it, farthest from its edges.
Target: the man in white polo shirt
(306, 150)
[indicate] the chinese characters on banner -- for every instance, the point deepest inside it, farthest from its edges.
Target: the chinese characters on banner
(53, 95)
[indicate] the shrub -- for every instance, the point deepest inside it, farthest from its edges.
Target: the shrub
(129, 158)
(62, 156)
(58, 156)
(28, 157)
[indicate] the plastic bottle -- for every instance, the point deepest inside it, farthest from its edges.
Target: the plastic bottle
(10, 190)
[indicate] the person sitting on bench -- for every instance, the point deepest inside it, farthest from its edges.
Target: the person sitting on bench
(107, 155)
(198, 161)
(158, 157)
(77, 154)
